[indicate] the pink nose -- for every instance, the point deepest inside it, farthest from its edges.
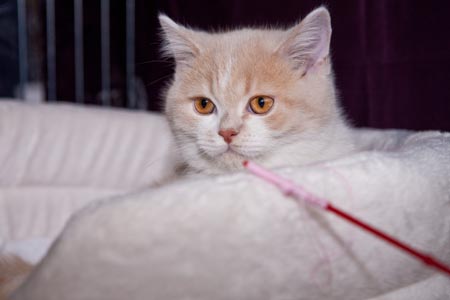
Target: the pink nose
(228, 134)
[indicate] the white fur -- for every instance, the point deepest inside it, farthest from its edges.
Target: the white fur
(225, 79)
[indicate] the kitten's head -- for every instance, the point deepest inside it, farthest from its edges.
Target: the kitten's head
(249, 94)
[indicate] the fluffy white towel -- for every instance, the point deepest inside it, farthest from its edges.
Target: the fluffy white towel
(236, 237)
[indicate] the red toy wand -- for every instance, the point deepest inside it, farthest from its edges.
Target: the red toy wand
(290, 189)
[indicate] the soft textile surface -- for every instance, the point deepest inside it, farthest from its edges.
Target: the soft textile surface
(66, 145)
(30, 213)
(54, 159)
(235, 237)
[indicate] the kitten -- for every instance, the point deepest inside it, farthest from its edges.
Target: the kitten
(262, 94)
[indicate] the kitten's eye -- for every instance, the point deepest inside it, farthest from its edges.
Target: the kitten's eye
(204, 106)
(261, 104)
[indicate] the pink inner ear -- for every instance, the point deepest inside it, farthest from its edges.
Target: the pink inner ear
(323, 47)
(318, 49)
(179, 43)
(319, 53)
(309, 42)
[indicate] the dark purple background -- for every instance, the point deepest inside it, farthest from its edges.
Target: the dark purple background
(391, 57)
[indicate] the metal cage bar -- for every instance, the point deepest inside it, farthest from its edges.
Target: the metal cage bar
(130, 53)
(79, 50)
(23, 46)
(105, 48)
(51, 51)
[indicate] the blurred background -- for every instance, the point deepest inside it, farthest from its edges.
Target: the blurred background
(391, 57)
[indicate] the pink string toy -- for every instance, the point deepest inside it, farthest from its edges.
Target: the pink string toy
(292, 190)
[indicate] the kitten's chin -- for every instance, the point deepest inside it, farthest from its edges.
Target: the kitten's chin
(228, 161)
(220, 159)
(231, 154)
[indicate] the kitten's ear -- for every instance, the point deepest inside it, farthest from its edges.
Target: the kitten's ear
(308, 43)
(179, 40)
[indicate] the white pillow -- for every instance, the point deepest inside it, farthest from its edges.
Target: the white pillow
(69, 145)
(236, 237)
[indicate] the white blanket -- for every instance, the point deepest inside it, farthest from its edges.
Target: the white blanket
(236, 237)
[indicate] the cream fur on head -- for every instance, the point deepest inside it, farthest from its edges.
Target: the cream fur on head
(291, 66)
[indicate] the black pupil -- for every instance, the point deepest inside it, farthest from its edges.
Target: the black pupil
(261, 102)
(204, 103)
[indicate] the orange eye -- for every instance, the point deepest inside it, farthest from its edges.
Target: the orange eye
(260, 104)
(204, 106)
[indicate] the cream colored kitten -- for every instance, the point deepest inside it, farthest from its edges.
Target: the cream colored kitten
(262, 94)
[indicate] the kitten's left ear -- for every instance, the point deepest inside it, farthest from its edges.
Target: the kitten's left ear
(179, 40)
(308, 43)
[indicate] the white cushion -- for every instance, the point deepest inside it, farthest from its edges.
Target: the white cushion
(236, 237)
(63, 144)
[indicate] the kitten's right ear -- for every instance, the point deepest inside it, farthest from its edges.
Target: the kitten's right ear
(308, 43)
(179, 41)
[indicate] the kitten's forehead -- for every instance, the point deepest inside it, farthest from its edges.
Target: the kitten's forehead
(235, 64)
